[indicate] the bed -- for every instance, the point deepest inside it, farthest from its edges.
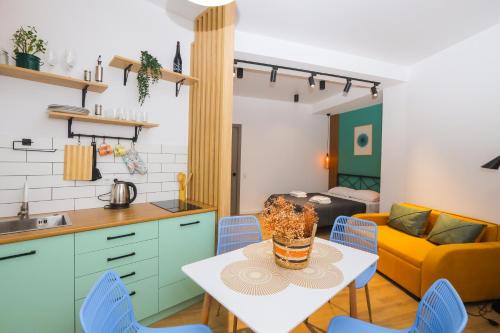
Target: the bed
(342, 202)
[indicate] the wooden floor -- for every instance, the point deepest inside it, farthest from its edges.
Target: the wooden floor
(391, 306)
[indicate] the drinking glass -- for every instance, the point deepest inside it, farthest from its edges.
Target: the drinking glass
(69, 59)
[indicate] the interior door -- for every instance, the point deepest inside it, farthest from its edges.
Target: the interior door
(235, 169)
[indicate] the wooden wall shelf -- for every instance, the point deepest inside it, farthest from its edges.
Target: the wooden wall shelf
(166, 74)
(101, 120)
(51, 78)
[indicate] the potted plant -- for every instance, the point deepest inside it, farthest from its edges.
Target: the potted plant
(293, 231)
(149, 73)
(26, 46)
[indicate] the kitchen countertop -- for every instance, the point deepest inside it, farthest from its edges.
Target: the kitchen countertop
(99, 218)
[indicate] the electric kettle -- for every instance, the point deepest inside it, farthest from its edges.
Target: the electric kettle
(120, 194)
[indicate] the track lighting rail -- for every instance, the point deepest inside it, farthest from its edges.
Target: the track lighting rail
(312, 73)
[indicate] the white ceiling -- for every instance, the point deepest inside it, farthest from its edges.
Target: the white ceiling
(395, 31)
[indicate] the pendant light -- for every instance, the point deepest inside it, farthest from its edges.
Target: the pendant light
(326, 162)
(211, 3)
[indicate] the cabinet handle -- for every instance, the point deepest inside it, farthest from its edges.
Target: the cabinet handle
(127, 275)
(132, 293)
(121, 236)
(190, 223)
(123, 256)
(18, 255)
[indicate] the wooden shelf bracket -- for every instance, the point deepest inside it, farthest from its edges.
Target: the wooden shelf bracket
(126, 71)
(178, 86)
(71, 134)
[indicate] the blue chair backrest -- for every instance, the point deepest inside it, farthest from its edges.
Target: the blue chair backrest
(108, 307)
(236, 232)
(356, 233)
(441, 310)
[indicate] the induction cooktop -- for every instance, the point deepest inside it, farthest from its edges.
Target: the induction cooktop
(175, 206)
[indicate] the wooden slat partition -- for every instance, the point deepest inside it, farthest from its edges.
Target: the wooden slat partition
(334, 151)
(211, 107)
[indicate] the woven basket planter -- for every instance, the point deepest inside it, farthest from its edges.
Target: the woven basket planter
(292, 254)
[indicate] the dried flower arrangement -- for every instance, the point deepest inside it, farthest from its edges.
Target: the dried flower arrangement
(285, 221)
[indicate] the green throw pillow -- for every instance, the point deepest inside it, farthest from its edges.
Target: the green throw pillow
(409, 220)
(450, 230)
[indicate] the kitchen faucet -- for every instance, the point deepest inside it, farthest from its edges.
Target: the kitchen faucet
(24, 210)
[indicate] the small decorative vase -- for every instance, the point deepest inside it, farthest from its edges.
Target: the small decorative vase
(28, 61)
(292, 254)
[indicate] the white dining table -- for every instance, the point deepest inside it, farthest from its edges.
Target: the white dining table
(285, 310)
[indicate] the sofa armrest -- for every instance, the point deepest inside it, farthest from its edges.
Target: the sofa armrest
(472, 268)
(379, 218)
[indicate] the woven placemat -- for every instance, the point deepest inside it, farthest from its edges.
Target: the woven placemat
(320, 253)
(254, 277)
(317, 275)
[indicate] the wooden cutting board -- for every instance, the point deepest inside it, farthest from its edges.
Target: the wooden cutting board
(77, 162)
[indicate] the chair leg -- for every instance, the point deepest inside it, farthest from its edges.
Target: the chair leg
(368, 303)
(205, 311)
(235, 324)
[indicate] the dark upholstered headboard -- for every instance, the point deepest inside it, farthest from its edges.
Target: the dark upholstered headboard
(359, 182)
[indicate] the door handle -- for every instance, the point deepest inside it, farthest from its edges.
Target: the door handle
(132, 293)
(120, 236)
(18, 255)
(121, 257)
(234, 174)
(186, 224)
(127, 275)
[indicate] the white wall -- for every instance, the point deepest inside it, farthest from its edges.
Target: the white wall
(283, 146)
(452, 106)
(90, 28)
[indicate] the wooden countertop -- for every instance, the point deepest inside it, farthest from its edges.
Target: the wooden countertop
(99, 218)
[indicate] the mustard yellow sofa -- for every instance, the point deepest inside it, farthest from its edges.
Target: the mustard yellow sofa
(415, 263)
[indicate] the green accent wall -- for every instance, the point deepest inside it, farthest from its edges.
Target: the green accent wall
(360, 165)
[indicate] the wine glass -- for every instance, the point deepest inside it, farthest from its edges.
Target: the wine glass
(69, 59)
(51, 58)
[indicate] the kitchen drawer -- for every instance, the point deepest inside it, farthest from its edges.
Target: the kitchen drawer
(111, 237)
(177, 293)
(184, 240)
(144, 299)
(128, 273)
(88, 263)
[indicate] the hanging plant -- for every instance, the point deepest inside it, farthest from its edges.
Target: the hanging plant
(149, 74)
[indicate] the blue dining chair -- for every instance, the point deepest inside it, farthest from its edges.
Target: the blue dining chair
(108, 309)
(236, 232)
(361, 235)
(440, 311)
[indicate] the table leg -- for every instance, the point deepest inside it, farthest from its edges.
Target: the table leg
(353, 302)
(232, 322)
(205, 311)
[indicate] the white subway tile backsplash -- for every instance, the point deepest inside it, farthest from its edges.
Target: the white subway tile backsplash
(11, 182)
(38, 156)
(49, 192)
(9, 155)
(9, 209)
(49, 181)
(161, 177)
(169, 186)
(23, 169)
(159, 196)
(73, 192)
(40, 207)
(174, 168)
(181, 158)
(174, 149)
(11, 196)
(154, 167)
(161, 158)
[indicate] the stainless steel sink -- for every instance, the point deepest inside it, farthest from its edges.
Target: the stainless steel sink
(34, 223)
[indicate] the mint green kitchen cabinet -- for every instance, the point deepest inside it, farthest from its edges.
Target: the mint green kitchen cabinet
(37, 285)
(182, 241)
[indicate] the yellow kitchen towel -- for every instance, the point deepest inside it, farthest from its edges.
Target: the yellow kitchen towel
(77, 162)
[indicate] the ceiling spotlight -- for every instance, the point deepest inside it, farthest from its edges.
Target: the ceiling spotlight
(274, 71)
(374, 90)
(311, 81)
(322, 85)
(239, 73)
(296, 98)
(347, 87)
